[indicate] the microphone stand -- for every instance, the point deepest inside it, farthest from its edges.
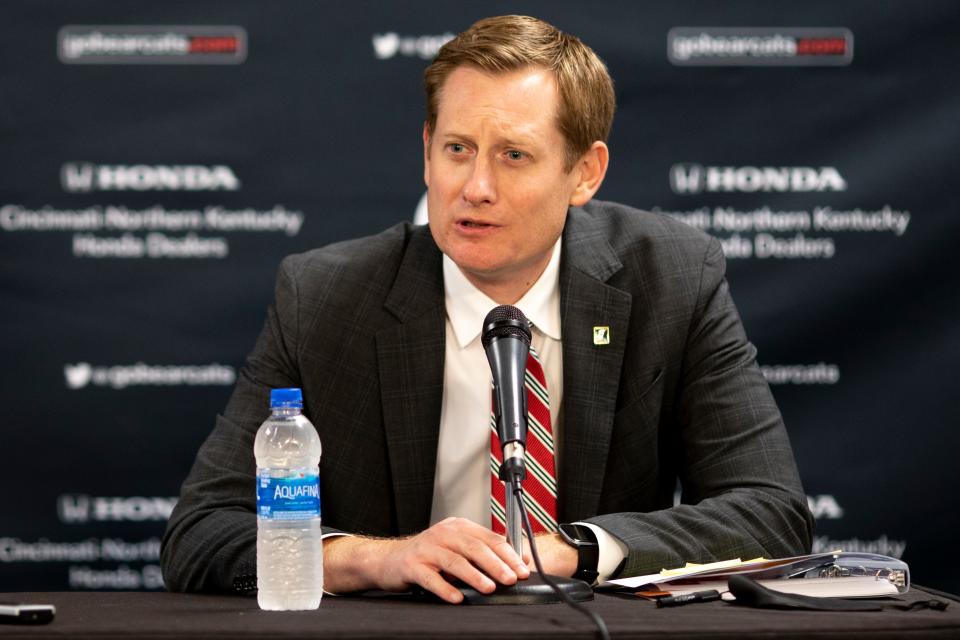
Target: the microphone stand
(514, 523)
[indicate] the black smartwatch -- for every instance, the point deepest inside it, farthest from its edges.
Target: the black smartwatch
(584, 541)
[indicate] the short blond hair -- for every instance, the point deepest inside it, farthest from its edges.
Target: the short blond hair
(509, 43)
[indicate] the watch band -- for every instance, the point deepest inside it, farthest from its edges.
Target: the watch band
(585, 542)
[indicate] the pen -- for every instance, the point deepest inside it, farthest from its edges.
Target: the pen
(697, 596)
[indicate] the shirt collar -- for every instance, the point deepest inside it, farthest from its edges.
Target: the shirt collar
(467, 306)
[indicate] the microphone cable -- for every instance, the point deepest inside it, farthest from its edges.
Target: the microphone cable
(602, 631)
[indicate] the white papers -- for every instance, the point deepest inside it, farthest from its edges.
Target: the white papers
(854, 587)
(835, 574)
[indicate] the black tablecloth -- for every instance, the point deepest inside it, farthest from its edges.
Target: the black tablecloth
(168, 615)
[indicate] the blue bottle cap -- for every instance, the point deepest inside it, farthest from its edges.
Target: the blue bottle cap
(286, 398)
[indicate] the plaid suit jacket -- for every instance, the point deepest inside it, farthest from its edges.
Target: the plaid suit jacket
(676, 397)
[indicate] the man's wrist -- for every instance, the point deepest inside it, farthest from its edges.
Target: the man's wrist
(613, 552)
(584, 541)
(351, 563)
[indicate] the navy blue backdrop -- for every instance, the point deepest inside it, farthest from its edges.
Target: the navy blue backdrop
(161, 157)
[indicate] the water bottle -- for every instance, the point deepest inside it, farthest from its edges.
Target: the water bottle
(289, 544)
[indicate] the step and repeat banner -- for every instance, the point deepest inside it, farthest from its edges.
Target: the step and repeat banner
(160, 158)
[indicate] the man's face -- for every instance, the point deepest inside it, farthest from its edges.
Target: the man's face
(494, 168)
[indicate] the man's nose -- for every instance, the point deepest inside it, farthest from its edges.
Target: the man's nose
(480, 187)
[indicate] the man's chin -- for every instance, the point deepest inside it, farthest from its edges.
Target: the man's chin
(482, 271)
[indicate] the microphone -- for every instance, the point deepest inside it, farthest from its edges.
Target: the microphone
(506, 341)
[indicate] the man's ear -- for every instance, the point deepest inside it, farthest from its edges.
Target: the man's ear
(426, 154)
(590, 170)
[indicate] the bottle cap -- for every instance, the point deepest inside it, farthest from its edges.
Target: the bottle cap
(286, 398)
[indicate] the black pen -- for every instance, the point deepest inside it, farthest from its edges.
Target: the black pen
(696, 596)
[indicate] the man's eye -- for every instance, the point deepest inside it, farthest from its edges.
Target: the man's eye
(457, 147)
(516, 155)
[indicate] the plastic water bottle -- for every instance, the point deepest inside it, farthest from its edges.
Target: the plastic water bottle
(289, 544)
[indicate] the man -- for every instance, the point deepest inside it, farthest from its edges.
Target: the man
(650, 376)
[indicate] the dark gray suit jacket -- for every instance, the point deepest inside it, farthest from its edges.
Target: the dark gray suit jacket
(677, 394)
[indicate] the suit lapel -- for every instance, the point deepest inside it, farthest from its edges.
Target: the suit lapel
(410, 357)
(591, 372)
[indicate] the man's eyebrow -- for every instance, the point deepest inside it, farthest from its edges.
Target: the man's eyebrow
(504, 141)
(453, 135)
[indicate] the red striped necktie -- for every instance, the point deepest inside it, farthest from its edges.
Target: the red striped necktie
(540, 486)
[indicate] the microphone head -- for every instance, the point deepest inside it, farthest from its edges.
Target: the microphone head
(505, 321)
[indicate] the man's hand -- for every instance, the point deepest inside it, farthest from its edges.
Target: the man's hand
(455, 547)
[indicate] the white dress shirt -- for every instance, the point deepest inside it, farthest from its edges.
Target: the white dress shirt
(462, 482)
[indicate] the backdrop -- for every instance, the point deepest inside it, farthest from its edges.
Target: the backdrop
(159, 158)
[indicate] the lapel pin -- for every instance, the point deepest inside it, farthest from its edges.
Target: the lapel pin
(601, 335)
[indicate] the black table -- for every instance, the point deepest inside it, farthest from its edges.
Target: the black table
(120, 615)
